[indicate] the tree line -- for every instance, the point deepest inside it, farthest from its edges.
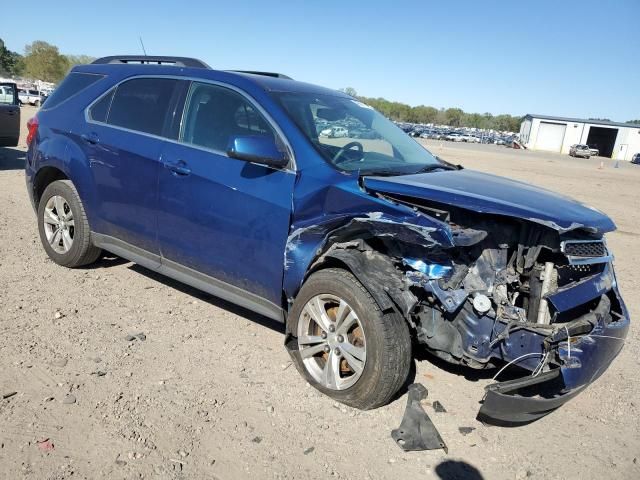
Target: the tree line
(41, 61)
(453, 117)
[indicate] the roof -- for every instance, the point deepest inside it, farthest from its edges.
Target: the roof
(582, 120)
(192, 67)
(274, 84)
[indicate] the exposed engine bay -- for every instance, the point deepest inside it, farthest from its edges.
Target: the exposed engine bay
(509, 291)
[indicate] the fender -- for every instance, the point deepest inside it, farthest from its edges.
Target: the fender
(309, 241)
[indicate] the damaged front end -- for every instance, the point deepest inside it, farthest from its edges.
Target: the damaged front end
(485, 290)
(525, 295)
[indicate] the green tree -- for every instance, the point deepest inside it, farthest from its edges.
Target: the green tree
(73, 60)
(10, 62)
(349, 90)
(43, 61)
(634, 122)
(424, 114)
(454, 117)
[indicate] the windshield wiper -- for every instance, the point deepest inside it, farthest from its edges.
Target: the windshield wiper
(380, 173)
(435, 166)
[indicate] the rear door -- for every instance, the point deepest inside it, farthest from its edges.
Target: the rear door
(9, 115)
(220, 216)
(123, 138)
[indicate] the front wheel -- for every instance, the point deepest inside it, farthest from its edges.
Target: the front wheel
(346, 346)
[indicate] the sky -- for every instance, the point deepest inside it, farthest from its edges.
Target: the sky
(576, 58)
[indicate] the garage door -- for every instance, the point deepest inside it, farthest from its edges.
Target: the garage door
(550, 136)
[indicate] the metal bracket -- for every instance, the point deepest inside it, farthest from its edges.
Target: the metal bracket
(416, 431)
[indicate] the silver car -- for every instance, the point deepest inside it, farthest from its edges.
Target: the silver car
(580, 151)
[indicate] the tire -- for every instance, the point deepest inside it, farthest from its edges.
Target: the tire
(36, 103)
(80, 251)
(386, 338)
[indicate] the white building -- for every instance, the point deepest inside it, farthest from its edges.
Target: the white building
(619, 141)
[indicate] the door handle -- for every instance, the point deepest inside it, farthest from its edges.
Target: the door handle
(91, 138)
(179, 168)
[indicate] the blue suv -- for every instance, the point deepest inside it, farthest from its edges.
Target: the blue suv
(364, 244)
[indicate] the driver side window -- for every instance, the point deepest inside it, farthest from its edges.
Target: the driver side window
(214, 115)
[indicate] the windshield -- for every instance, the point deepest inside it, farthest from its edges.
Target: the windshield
(354, 137)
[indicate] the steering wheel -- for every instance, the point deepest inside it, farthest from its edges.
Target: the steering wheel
(348, 146)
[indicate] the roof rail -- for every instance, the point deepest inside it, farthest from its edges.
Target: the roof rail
(266, 74)
(151, 60)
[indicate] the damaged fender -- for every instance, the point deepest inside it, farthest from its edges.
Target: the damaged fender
(309, 242)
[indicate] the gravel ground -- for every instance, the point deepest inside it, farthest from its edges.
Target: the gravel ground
(210, 391)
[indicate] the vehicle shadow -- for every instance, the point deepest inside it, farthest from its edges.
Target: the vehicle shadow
(210, 299)
(457, 470)
(12, 159)
(107, 260)
(470, 374)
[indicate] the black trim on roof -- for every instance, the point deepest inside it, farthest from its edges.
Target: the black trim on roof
(151, 60)
(264, 74)
(581, 120)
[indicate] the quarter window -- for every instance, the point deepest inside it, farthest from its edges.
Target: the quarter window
(100, 109)
(142, 104)
(214, 115)
(71, 85)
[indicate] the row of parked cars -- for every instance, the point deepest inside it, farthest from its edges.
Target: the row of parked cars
(457, 135)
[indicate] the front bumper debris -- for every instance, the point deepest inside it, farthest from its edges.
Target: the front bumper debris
(584, 359)
(416, 431)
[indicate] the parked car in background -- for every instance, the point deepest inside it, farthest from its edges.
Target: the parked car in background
(335, 132)
(454, 137)
(30, 97)
(9, 115)
(636, 159)
(579, 150)
(366, 251)
(595, 151)
(470, 139)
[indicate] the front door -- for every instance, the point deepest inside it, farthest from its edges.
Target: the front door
(220, 216)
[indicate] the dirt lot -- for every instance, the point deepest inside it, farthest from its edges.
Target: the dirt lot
(211, 393)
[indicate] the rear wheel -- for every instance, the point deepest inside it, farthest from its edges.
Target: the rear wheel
(63, 226)
(347, 347)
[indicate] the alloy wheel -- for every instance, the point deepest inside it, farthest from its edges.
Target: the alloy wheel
(59, 225)
(331, 342)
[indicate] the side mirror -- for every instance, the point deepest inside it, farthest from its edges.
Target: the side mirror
(257, 149)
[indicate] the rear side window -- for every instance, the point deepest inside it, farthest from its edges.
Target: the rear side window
(142, 104)
(71, 85)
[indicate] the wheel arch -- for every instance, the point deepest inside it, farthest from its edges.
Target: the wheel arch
(349, 242)
(43, 178)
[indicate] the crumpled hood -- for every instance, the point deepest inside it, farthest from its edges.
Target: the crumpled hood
(485, 193)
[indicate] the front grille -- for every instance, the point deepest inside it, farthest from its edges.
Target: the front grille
(585, 249)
